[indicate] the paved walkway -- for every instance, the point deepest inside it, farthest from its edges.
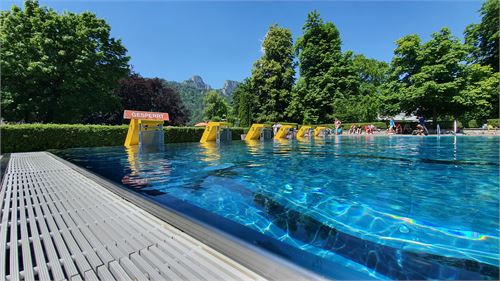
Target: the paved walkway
(57, 224)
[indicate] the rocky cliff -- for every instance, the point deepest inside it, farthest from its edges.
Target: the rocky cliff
(229, 87)
(197, 82)
(193, 90)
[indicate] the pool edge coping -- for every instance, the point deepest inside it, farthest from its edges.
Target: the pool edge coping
(265, 264)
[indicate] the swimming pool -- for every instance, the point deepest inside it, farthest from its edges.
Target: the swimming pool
(386, 207)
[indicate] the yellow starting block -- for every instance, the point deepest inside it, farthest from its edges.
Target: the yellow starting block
(255, 130)
(210, 133)
(303, 130)
(145, 121)
(282, 132)
(318, 130)
(133, 129)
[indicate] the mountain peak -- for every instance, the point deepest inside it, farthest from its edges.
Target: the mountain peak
(229, 87)
(197, 82)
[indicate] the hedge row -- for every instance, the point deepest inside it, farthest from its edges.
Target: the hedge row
(494, 122)
(478, 124)
(39, 137)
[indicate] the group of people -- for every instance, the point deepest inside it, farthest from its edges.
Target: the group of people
(421, 129)
(358, 129)
(394, 128)
(355, 129)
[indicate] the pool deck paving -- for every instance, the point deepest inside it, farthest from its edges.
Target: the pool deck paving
(59, 222)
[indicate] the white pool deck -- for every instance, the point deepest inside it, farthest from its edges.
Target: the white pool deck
(60, 222)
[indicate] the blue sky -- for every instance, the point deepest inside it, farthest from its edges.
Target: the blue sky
(220, 40)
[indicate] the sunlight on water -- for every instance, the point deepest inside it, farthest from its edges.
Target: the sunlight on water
(389, 207)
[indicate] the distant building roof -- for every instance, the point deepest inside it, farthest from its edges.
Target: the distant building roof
(404, 117)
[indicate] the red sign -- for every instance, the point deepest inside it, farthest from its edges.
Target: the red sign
(145, 115)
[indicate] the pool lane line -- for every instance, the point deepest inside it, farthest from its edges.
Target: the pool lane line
(266, 264)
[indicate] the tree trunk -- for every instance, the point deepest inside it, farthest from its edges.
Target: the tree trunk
(26, 116)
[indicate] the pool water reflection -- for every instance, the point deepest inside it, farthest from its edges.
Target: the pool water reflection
(349, 207)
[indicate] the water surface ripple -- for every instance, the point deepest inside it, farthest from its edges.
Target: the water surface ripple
(386, 207)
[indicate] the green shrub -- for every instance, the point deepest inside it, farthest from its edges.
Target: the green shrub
(472, 124)
(494, 122)
(38, 137)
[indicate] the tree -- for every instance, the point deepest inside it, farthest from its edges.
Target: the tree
(372, 75)
(404, 65)
(363, 104)
(326, 75)
(434, 79)
(150, 94)
(273, 75)
(478, 96)
(430, 77)
(244, 103)
(216, 107)
(57, 67)
(484, 37)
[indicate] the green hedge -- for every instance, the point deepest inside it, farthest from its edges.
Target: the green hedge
(36, 137)
(39, 137)
(494, 122)
(473, 124)
(183, 134)
(238, 131)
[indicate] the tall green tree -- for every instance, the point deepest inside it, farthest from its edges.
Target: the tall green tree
(484, 37)
(326, 74)
(244, 103)
(405, 63)
(216, 107)
(57, 67)
(372, 73)
(273, 75)
(434, 79)
(478, 96)
(364, 106)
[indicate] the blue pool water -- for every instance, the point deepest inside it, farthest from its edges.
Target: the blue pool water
(350, 207)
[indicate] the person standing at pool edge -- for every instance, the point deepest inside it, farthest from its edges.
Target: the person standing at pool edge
(338, 123)
(421, 122)
(391, 125)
